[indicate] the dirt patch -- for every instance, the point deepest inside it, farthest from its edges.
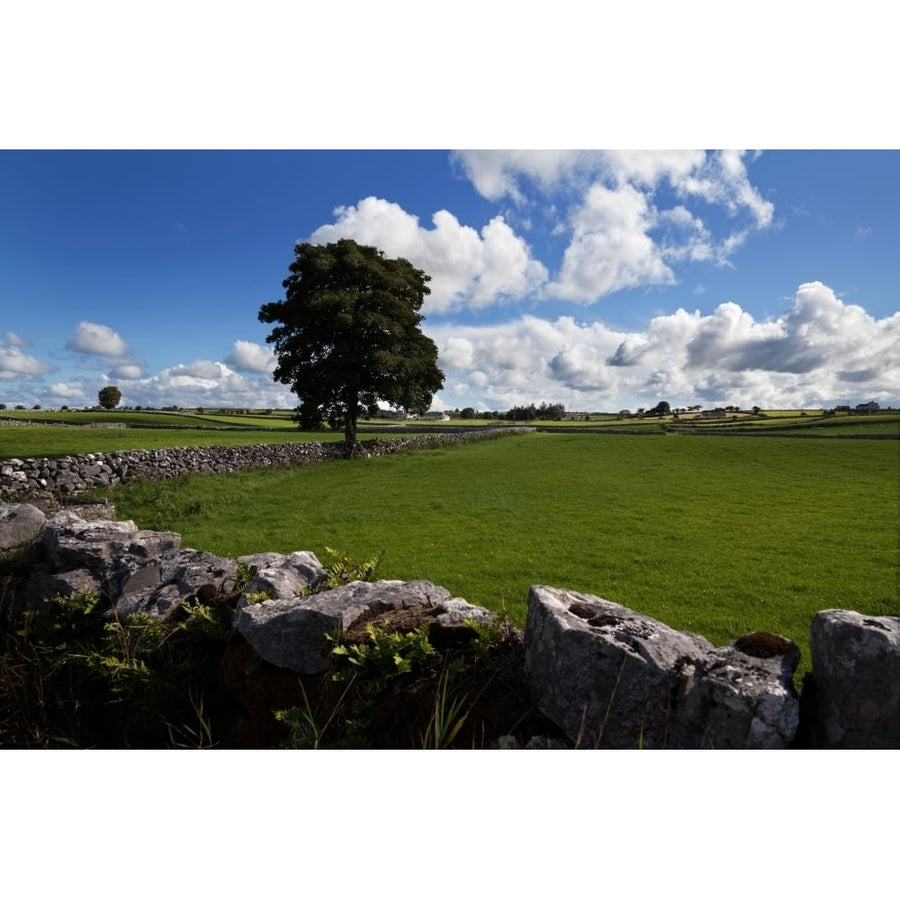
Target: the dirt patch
(762, 644)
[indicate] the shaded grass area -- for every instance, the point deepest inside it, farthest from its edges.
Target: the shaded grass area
(719, 536)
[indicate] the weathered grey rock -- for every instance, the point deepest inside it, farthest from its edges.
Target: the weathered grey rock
(257, 561)
(158, 601)
(115, 552)
(190, 570)
(70, 540)
(142, 579)
(611, 678)
(291, 633)
(607, 676)
(742, 699)
(283, 577)
(20, 524)
(454, 612)
(181, 574)
(856, 666)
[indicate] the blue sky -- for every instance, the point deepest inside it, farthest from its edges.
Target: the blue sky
(601, 280)
(598, 279)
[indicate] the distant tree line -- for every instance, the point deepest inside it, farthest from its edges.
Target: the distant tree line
(545, 412)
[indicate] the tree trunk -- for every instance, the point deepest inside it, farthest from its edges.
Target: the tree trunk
(350, 425)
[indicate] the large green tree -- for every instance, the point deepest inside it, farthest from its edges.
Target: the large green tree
(109, 397)
(348, 334)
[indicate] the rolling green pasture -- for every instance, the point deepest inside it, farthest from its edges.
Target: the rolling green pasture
(133, 417)
(715, 535)
(251, 421)
(57, 440)
(144, 418)
(882, 423)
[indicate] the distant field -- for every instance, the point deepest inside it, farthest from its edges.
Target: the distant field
(57, 440)
(716, 535)
(282, 420)
(128, 417)
(883, 423)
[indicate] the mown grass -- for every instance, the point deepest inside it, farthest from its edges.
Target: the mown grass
(85, 417)
(280, 421)
(718, 536)
(52, 441)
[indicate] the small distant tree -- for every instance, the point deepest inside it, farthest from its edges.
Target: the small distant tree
(109, 397)
(36, 406)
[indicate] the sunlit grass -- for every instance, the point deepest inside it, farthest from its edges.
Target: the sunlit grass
(719, 536)
(57, 440)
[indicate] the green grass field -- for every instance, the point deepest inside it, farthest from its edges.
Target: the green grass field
(715, 535)
(132, 417)
(57, 440)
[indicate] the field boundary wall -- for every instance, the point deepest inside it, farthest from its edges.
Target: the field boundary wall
(68, 475)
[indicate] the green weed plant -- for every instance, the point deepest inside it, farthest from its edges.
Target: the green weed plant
(71, 676)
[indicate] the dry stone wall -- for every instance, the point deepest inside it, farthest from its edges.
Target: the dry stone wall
(606, 676)
(24, 478)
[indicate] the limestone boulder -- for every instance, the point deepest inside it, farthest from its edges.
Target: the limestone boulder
(743, 697)
(156, 587)
(114, 552)
(283, 576)
(856, 670)
(20, 524)
(456, 613)
(291, 632)
(607, 676)
(612, 678)
(68, 539)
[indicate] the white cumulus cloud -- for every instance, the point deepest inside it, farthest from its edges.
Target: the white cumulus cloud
(610, 248)
(627, 219)
(101, 340)
(496, 173)
(623, 229)
(247, 356)
(468, 268)
(16, 340)
(208, 383)
(820, 351)
(127, 371)
(66, 392)
(14, 363)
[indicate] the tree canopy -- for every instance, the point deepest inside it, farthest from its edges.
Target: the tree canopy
(109, 397)
(348, 334)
